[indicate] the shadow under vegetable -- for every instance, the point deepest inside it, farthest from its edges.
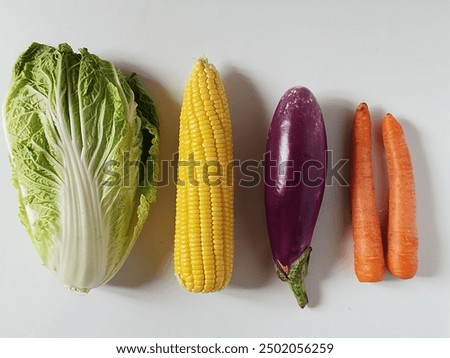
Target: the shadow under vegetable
(253, 262)
(331, 234)
(152, 252)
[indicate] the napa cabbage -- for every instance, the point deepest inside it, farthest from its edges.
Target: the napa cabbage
(83, 142)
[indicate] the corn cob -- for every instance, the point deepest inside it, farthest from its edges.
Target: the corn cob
(204, 224)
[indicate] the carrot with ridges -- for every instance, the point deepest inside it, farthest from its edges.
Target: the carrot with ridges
(368, 245)
(402, 240)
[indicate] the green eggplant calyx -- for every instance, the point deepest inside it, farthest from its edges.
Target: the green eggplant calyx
(296, 277)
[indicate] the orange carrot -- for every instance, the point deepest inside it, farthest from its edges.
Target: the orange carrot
(402, 241)
(368, 245)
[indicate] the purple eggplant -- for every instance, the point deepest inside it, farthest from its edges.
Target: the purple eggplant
(295, 170)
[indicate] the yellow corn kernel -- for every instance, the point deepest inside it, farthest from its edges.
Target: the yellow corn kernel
(204, 223)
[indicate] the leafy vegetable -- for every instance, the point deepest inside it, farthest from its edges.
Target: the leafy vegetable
(83, 142)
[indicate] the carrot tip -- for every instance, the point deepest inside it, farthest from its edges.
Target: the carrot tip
(370, 279)
(390, 124)
(362, 106)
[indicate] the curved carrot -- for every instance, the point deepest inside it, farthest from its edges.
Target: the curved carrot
(402, 243)
(368, 245)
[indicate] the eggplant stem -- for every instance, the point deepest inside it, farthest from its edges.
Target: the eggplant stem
(296, 276)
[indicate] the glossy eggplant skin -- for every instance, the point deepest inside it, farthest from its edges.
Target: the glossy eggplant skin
(295, 175)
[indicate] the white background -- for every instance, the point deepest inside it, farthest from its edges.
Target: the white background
(394, 55)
